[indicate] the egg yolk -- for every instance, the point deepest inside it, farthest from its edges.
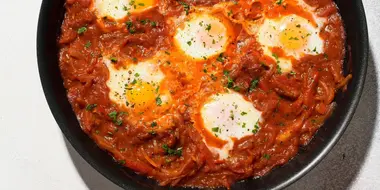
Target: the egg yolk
(293, 36)
(141, 95)
(140, 5)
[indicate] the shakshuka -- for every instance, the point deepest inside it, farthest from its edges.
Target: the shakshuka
(202, 93)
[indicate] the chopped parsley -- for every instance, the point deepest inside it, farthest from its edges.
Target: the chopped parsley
(220, 58)
(186, 7)
(266, 156)
(137, 74)
(189, 43)
(153, 23)
(113, 59)
(243, 113)
(157, 88)
(87, 44)
(132, 3)
(292, 73)
(279, 71)
(229, 13)
(315, 49)
(293, 38)
(172, 152)
(122, 162)
(326, 56)
(130, 27)
(230, 82)
(215, 129)
(208, 27)
(118, 122)
(256, 127)
(158, 101)
(213, 77)
(276, 57)
(82, 30)
(232, 116)
(144, 21)
(153, 124)
(114, 116)
(253, 85)
(279, 2)
(129, 24)
(90, 107)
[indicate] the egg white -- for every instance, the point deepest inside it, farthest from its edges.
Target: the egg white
(300, 31)
(227, 116)
(202, 36)
(118, 9)
(121, 79)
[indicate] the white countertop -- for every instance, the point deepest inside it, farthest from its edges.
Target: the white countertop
(35, 155)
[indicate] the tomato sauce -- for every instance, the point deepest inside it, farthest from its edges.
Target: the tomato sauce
(294, 105)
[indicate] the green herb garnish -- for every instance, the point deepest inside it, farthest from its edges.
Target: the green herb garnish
(90, 107)
(220, 58)
(215, 129)
(158, 101)
(256, 127)
(87, 44)
(153, 24)
(172, 152)
(130, 27)
(113, 59)
(82, 30)
(186, 7)
(253, 85)
(208, 27)
(279, 71)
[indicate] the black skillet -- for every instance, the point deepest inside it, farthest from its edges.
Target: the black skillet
(49, 23)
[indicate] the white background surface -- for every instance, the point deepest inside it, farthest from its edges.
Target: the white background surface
(35, 155)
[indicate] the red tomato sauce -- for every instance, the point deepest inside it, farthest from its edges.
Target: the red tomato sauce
(170, 149)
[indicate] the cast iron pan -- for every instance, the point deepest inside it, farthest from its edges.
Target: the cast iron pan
(50, 20)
